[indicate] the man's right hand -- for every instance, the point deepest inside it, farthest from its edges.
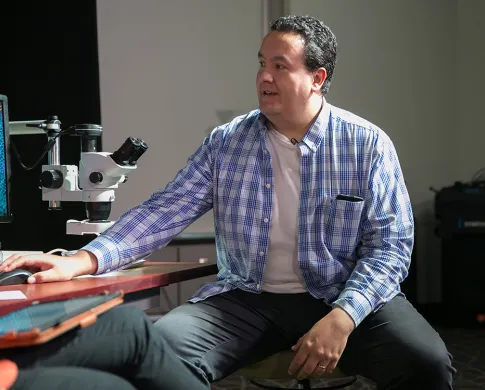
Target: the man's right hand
(52, 268)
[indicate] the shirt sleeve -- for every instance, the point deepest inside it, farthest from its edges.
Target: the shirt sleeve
(387, 238)
(152, 224)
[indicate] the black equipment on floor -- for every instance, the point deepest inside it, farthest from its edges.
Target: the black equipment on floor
(460, 224)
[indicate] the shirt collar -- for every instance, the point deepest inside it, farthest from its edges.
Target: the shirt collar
(315, 133)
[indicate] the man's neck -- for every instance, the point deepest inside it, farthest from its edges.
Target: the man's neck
(296, 129)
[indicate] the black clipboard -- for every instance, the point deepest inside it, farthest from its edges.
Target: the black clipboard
(41, 322)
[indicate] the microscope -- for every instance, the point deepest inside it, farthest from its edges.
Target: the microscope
(95, 181)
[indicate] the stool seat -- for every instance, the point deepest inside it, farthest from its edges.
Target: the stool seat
(276, 367)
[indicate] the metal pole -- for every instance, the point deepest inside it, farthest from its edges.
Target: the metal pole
(53, 159)
(265, 11)
(271, 10)
(53, 126)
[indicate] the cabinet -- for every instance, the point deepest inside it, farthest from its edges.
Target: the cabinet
(178, 293)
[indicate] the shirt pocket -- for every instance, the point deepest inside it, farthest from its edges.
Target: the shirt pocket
(343, 226)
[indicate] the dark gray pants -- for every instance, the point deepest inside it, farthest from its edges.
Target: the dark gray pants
(122, 350)
(72, 378)
(394, 347)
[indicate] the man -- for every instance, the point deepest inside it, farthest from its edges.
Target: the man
(314, 232)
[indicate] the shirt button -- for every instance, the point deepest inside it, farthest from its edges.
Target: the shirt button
(268, 185)
(266, 220)
(265, 151)
(258, 286)
(261, 253)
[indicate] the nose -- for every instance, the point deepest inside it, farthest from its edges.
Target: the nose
(264, 76)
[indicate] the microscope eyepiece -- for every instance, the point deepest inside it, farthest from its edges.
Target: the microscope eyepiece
(138, 153)
(129, 152)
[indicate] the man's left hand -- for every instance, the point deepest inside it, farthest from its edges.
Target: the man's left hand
(319, 350)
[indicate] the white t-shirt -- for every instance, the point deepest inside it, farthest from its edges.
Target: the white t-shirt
(282, 273)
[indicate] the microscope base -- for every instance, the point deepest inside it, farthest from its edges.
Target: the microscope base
(86, 227)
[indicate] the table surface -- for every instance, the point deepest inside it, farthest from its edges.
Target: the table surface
(144, 277)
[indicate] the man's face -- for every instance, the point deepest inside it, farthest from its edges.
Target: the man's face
(283, 83)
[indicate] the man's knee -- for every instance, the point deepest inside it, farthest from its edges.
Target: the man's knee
(423, 367)
(188, 332)
(435, 366)
(174, 328)
(196, 339)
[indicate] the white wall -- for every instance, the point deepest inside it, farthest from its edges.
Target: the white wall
(170, 70)
(470, 74)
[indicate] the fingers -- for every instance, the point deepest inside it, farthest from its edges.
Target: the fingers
(326, 364)
(50, 275)
(319, 370)
(297, 346)
(310, 366)
(26, 261)
(331, 365)
(20, 262)
(310, 362)
(4, 264)
(299, 358)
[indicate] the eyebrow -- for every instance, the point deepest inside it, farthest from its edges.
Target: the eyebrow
(275, 58)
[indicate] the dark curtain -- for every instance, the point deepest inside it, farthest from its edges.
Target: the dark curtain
(49, 67)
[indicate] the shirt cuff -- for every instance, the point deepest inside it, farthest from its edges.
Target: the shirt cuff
(355, 304)
(107, 253)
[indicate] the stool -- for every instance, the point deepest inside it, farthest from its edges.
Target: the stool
(276, 367)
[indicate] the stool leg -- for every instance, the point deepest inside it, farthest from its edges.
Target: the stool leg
(304, 384)
(244, 383)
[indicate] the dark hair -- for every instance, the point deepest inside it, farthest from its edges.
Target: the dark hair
(320, 43)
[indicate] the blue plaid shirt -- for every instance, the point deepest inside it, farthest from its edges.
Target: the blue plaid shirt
(352, 254)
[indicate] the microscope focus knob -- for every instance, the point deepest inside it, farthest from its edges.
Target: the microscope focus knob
(95, 177)
(51, 178)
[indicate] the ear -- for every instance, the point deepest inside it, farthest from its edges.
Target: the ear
(319, 76)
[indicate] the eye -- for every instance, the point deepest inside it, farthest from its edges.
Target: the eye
(261, 64)
(280, 67)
